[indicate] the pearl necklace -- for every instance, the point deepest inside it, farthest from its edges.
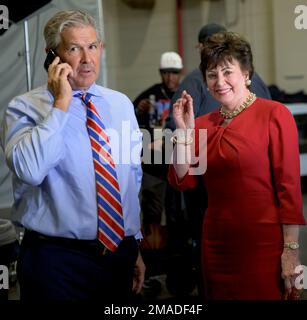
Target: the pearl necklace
(231, 114)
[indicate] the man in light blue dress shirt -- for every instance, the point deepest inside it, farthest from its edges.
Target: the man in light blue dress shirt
(47, 147)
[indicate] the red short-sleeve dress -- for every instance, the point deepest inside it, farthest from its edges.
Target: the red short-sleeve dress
(253, 183)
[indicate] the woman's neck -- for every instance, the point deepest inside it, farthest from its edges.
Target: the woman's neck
(238, 102)
(233, 113)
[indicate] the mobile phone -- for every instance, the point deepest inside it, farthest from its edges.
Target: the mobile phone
(49, 59)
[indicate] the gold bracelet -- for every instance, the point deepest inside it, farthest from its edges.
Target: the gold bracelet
(185, 142)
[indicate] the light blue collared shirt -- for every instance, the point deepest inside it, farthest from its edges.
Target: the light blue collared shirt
(49, 153)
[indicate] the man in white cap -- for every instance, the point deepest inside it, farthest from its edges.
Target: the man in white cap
(161, 93)
(151, 108)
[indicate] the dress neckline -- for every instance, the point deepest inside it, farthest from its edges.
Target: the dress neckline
(221, 119)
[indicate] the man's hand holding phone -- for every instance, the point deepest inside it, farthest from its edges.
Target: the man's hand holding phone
(58, 83)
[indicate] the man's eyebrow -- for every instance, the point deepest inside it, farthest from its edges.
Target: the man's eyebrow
(73, 44)
(78, 44)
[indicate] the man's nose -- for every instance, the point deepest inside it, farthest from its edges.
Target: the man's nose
(85, 58)
(173, 76)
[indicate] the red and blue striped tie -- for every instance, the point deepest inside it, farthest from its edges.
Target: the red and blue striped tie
(109, 207)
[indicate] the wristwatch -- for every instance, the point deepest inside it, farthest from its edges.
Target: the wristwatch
(291, 245)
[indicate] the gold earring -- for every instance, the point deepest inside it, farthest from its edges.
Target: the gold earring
(248, 82)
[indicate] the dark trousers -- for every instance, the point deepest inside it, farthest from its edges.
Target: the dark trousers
(152, 200)
(70, 269)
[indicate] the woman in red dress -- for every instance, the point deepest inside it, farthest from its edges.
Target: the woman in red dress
(251, 227)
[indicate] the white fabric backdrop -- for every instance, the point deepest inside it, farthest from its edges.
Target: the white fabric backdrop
(13, 79)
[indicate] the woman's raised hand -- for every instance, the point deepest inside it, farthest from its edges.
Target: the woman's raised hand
(183, 112)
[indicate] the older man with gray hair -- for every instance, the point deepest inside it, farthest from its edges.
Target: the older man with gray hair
(76, 199)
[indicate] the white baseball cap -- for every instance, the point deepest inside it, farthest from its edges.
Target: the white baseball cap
(171, 61)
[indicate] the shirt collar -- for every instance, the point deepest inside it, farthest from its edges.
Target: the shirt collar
(93, 90)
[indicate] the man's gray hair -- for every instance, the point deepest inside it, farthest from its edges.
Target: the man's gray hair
(66, 19)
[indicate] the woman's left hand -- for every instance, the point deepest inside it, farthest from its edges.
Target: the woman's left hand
(289, 262)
